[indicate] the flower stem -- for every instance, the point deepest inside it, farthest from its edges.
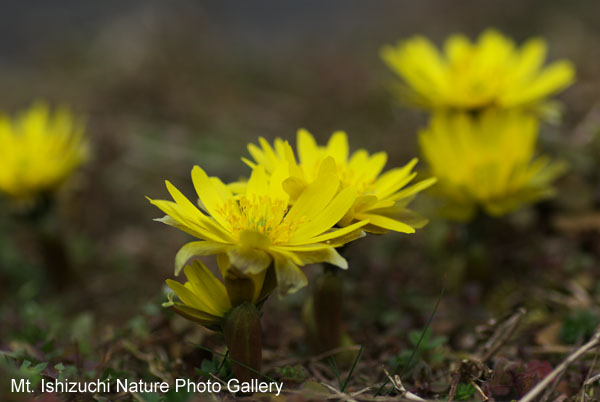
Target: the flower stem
(327, 311)
(242, 331)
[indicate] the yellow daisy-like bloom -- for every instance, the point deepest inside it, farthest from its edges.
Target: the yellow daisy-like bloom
(250, 231)
(39, 151)
(382, 198)
(487, 161)
(469, 76)
(205, 299)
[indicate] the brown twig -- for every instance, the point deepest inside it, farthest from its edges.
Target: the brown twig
(338, 394)
(501, 335)
(552, 350)
(311, 359)
(535, 391)
(588, 378)
(223, 383)
(480, 391)
(546, 395)
(403, 393)
(316, 372)
(587, 383)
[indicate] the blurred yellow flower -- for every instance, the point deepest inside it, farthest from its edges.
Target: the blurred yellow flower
(39, 151)
(252, 230)
(382, 198)
(493, 72)
(205, 299)
(487, 161)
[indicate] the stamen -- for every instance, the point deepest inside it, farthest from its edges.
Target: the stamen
(261, 214)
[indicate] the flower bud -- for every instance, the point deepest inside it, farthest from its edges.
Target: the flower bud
(242, 331)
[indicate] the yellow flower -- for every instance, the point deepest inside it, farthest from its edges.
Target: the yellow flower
(205, 299)
(467, 76)
(382, 198)
(250, 231)
(38, 151)
(487, 161)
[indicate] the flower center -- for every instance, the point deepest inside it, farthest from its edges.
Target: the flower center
(261, 214)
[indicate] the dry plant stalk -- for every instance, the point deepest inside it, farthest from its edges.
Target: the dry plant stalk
(403, 393)
(594, 342)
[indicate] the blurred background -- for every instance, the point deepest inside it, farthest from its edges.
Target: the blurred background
(166, 85)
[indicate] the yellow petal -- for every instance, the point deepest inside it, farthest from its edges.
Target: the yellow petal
(278, 177)
(387, 223)
(196, 249)
(258, 154)
(189, 211)
(457, 49)
(268, 151)
(168, 220)
(334, 234)
(316, 253)
(222, 189)
(208, 287)
(202, 228)
(196, 315)
(415, 188)
(393, 179)
(531, 57)
(337, 147)
(290, 278)
(258, 184)
(189, 298)
(307, 148)
(237, 187)
(316, 195)
(209, 196)
(553, 78)
(249, 260)
(294, 186)
(223, 263)
(376, 164)
(402, 214)
(250, 164)
(328, 216)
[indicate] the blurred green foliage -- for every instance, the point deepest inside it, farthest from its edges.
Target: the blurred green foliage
(429, 350)
(578, 326)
